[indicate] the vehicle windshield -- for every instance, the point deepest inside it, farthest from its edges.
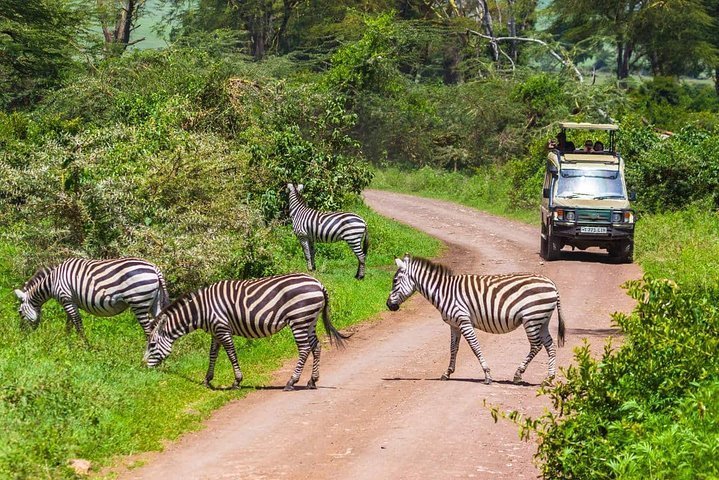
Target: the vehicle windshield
(595, 184)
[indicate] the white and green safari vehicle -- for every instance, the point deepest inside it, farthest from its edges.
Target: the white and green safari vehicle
(585, 202)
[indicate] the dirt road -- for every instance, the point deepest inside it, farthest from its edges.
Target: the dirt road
(380, 411)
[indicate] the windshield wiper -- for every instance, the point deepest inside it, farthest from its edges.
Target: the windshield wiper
(575, 195)
(604, 197)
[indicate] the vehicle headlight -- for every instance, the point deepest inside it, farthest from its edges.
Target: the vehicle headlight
(570, 216)
(628, 217)
(616, 217)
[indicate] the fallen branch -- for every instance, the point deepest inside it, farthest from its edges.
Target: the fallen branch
(563, 61)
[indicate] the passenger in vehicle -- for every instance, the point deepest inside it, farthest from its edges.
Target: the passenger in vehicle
(588, 146)
(598, 146)
(569, 147)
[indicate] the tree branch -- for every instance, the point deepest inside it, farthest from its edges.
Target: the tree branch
(563, 61)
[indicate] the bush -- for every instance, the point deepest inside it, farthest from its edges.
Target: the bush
(619, 413)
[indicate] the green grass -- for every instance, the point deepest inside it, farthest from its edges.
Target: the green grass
(682, 246)
(487, 189)
(59, 400)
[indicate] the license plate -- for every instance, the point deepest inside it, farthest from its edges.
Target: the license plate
(592, 229)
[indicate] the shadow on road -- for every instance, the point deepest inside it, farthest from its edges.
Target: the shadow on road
(460, 379)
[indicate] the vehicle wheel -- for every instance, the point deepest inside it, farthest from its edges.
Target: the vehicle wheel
(553, 247)
(623, 252)
(543, 244)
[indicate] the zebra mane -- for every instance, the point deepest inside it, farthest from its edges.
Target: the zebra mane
(431, 267)
(181, 300)
(37, 277)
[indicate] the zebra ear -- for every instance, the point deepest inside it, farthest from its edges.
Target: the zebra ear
(300, 187)
(20, 294)
(400, 264)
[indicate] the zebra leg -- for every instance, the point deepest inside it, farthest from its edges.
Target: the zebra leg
(214, 351)
(303, 346)
(468, 333)
(305, 242)
(453, 348)
(551, 348)
(225, 338)
(316, 350)
(355, 245)
(74, 316)
(312, 254)
(143, 318)
(536, 339)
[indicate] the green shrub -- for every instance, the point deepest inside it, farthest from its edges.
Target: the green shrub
(623, 407)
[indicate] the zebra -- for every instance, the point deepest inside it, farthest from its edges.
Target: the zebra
(492, 303)
(253, 308)
(312, 226)
(101, 287)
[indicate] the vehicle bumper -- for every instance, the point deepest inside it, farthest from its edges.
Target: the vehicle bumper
(571, 234)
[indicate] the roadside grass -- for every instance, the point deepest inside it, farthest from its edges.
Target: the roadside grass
(682, 246)
(487, 189)
(60, 401)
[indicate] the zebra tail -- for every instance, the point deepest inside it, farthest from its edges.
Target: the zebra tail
(365, 242)
(162, 297)
(561, 330)
(336, 337)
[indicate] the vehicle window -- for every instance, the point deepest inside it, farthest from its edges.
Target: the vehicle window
(596, 184)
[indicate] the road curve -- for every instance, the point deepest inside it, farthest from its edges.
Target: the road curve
(380, 411)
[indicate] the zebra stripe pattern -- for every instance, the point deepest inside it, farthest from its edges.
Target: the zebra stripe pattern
(312, 226)
(492, 303)
(100, 287)
(252, 309)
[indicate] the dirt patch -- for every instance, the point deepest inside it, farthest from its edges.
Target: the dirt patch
(381, 411)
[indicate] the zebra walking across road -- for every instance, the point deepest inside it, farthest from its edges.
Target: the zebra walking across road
(312, 226)
(492, 303)
(100, 287)
(253, 309)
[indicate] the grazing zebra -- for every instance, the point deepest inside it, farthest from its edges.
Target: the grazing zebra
(100, 287)
(312, 226)
(492, 303)
(252, 309)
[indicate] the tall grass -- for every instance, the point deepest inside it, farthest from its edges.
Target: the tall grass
(59, 400)
(487, 189)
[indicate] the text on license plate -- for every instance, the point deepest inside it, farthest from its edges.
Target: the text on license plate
(592, 229)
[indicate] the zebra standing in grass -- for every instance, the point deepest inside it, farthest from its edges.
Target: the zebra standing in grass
(252, 309)
(100, 287)
(312, 226)
(492, 303)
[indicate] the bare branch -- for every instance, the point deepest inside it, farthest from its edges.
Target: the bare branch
(135, 41)
(563, 61)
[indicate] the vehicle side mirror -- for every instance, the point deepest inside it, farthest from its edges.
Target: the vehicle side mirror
(632, 196)
(545, 193)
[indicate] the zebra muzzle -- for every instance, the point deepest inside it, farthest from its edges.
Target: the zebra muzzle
(392, 306)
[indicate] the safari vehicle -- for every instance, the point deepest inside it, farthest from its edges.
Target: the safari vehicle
(584, 198)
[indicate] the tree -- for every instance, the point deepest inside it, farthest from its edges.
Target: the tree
(670, 35)
(119, 19)
(38, 45)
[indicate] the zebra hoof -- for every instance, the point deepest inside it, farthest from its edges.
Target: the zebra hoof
(517, 378)
(288, 388)
(487, 381)
(235, 386)
(445, 376)
(208, 384)
(312, 385)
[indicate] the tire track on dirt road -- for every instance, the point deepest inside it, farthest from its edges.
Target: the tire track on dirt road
(380, 411)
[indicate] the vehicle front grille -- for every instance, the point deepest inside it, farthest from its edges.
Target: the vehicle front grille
(594, 216)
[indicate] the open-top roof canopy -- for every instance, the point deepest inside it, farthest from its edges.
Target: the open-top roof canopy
(588, 126)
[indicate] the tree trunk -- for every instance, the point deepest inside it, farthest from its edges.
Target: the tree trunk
(450, 62)
(624, 54)
(512, 28)
(488, 27)
(716, 79)
(117, 33)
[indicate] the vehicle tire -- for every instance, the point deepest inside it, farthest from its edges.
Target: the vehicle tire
(623, 252)
(543, 244)
(553, 247)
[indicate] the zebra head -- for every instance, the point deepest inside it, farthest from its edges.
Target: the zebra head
(28, 312)
(403, 285)
(159, 344)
